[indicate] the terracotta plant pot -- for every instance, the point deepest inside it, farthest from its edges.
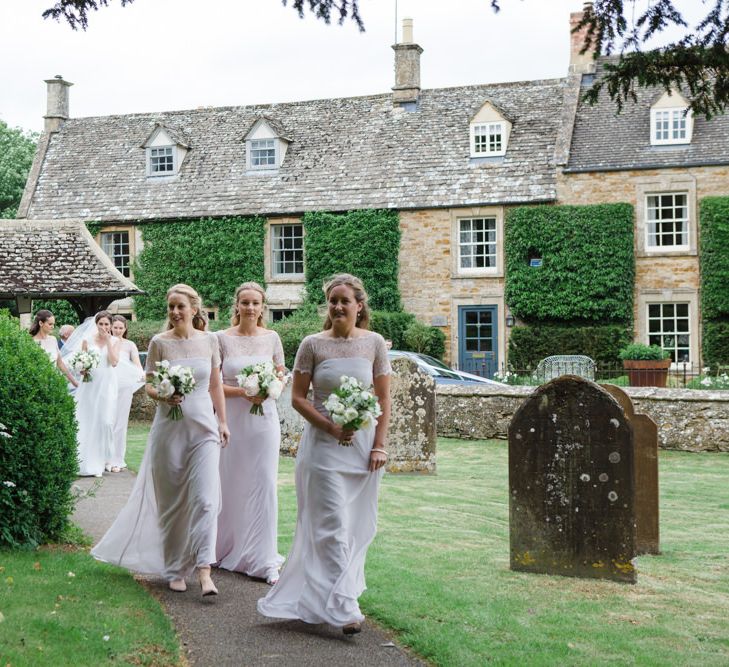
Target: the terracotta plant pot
(647, 372)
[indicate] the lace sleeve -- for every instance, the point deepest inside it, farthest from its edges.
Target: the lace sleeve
(304, 362)
(221, 345)
(215, 349)
(154, 354)
(381, 365)
(278, 353)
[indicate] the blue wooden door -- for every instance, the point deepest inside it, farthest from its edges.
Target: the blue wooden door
(478, 340)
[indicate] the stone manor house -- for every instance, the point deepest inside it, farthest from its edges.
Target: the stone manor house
(450, 161)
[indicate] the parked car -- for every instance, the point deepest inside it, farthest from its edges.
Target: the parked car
(441, 373)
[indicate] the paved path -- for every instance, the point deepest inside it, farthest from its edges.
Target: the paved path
(227, 629)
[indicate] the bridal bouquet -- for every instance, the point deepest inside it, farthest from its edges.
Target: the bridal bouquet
(352, 405)
(171, 380)
(84, 361)
(262, 380)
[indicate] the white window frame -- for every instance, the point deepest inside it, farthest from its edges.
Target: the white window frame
(255, 145)
(685, 221)
(276, 230)
(494, 244)
(675, 122)
(109, 249)
(151, 154)
(486, 131)
(659, 336)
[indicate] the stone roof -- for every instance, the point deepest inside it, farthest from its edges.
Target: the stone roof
(603, 140)
(348, 153)
(54, 259)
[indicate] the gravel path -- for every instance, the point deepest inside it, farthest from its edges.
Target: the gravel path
(227, 629)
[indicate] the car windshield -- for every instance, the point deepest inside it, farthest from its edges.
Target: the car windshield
(432, 361)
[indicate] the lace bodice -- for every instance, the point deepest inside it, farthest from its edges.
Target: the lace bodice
(317, 348)
(50, 347)
(127, 349)
(266, 345)
(201, 345)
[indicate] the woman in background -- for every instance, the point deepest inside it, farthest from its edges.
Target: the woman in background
(42, 332)
(128, 384)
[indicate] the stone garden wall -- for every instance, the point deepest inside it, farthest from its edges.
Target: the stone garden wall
(688, 420)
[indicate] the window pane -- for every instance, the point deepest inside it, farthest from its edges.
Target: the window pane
(287, 247)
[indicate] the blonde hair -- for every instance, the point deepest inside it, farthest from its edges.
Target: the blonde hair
(355, 284)
(235, 315)
(199, 318)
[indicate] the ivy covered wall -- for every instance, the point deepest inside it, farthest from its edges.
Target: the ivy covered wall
(212, 255)
(580, 299)
(365, 243)
(714, 227)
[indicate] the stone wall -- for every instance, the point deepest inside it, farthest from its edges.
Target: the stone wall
(688, 420)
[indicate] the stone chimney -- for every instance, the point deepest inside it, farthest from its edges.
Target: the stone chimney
(57, 112)
(407, 67)
(580, 63)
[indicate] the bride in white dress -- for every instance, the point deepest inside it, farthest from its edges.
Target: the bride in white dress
(96, 400)
(336, 486)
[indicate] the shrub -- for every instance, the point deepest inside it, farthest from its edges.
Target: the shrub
(528, 345)
(62, 310)
(391, 326)
(588, 265)
(715, 257)
(365, 243)
(420, 337)
(294, 328)
(641, 352)
(40, 457)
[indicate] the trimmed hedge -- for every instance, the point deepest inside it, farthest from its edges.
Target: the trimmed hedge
(212, 255)
(39, 458)
(716, 343)
(528, 345)
(588, 264)
(715, 257)
(391, 326)
(62, 310)
(365, 243)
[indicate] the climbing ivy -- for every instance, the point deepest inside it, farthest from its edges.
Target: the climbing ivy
(365, 243)
(212, 255)
(714, 223)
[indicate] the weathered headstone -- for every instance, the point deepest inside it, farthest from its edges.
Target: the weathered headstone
(412, 435)
(645, 459)
(571, 483)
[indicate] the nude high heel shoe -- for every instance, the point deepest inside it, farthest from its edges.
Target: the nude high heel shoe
(207, 587)
(178, 585)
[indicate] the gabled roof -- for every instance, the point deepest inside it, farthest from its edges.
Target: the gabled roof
(171, 132)
(274, 124)
(604, 141)
(55, 259)
(349, 153)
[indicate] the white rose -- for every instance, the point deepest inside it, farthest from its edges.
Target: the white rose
(163, 364)
(275, 387)
(165, 389)
(338, 419)
(350, 414)
(251, 386)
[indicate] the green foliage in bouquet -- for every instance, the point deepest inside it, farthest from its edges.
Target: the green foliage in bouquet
(365, 243)
(38, 456)
(212, 255)
(587, 263)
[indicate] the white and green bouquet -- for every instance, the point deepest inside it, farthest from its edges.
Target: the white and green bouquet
(171, 380)
(85, 361)
(352, 405)
(261, 379)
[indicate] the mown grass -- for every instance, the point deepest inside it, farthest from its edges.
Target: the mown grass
(60, 607)
(438, 572)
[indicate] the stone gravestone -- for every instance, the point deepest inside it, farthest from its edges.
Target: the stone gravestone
(571, 484)
(411, 438)
(645, 459)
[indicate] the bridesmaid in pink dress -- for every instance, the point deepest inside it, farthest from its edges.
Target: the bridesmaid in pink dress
(248, 521)
(42, 332)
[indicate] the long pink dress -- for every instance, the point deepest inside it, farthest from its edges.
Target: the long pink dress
(248, 520)
(169, 524)
(336, 494)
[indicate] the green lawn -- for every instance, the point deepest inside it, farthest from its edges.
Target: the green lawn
(438, 574)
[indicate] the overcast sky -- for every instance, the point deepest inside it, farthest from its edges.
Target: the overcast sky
(162, 55)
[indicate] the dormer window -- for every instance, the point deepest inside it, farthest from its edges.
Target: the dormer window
(671, 120)
(263, 153)
(266, 145)
(162, 161)
(489, 131)
(165, 151)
